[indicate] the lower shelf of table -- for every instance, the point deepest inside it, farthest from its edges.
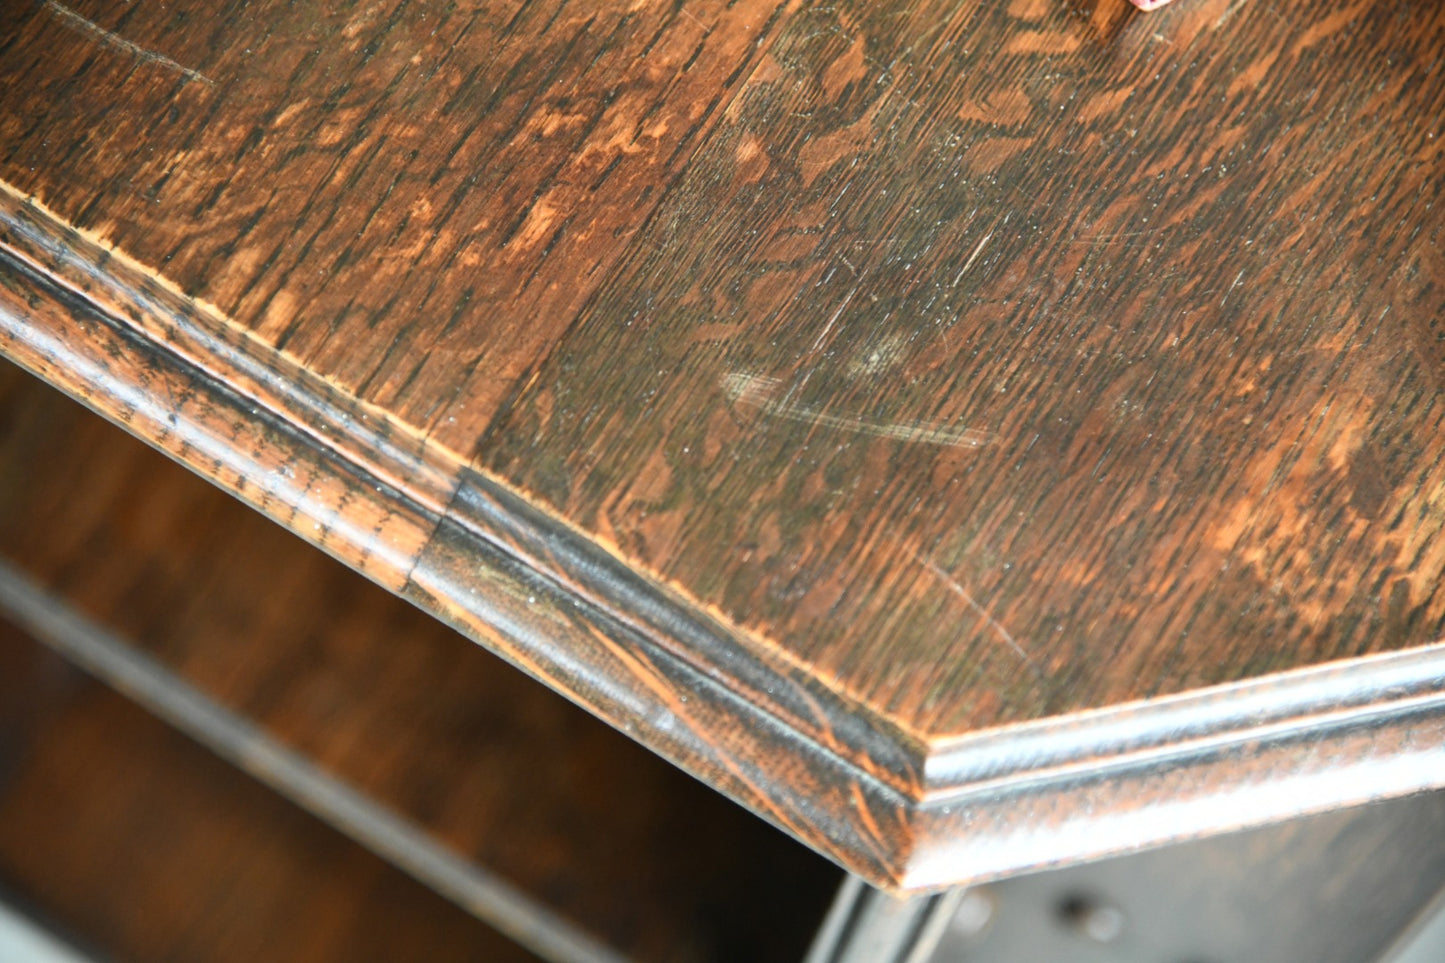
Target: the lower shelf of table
(141, 845)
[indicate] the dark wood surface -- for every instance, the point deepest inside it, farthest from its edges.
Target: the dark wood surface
(936, 425)
(373, 692)
(993, 382)
(444, 185)
(141, 846)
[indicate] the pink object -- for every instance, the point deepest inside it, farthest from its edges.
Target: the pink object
(1148, 4)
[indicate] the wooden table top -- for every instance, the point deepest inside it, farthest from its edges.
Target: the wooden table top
(973, 435)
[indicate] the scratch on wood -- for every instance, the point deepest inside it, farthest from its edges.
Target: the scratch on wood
(1233, 8)
(761, 392)
(76, 22)
(1106, 238)
(971, 258)
(957, 588)
(1237, 278)
(828, 328)
(818, 342)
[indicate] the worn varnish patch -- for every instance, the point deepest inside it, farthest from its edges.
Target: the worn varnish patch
(1176, 276)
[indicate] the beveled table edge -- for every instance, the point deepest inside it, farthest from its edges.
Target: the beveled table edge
(900, 810)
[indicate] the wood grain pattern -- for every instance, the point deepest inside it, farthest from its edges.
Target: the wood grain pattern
(375, 693)
(343, 475)
(268, 450)
(996, 370)
(957, 426)
(146, 848)
(998, 365)
(412, 199)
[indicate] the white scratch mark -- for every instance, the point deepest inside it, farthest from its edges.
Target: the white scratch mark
(983, 613)
(1105, 238)
(1237, 278)
(760, 392)
(1224, 18)
(971, 258)
(75, 21)
(818, 342)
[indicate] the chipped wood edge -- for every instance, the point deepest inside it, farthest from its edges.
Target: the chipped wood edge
(897, 809)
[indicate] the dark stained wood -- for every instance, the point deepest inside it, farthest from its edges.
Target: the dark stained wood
(412, 199)
(354, 482)
(375, 693)
(996, 369)
(996, 364)
(369, 494)
(145, 847)
(957, 432)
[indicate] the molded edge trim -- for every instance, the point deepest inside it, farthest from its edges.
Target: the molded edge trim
(1330, 762)
(70, 321)
(883, 804)
(1263, 709)
(142, 301)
